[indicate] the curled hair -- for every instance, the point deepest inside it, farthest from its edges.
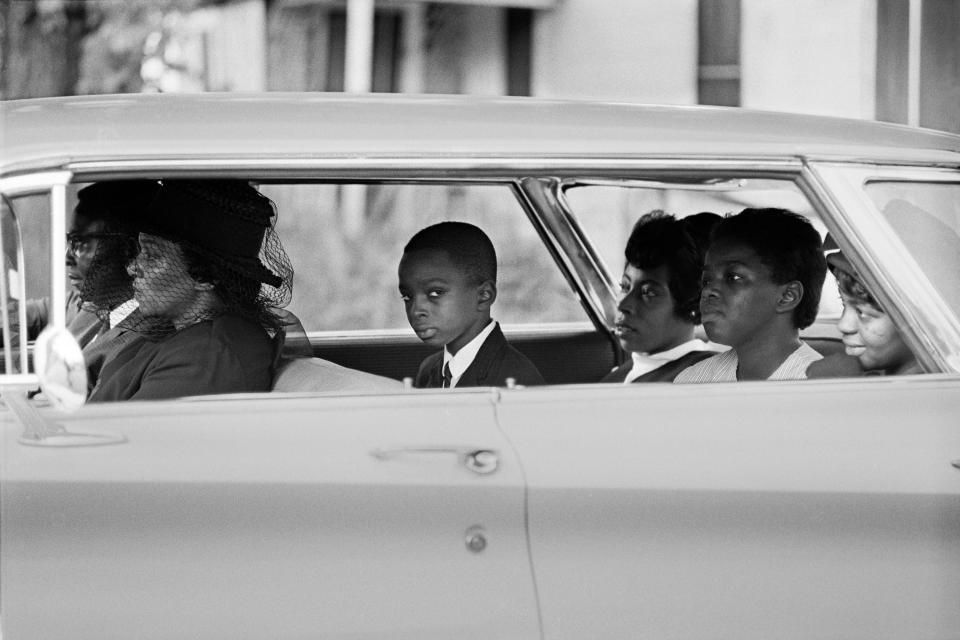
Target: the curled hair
(851, 287)
(467, 245)
(660, 240)
(788, 245)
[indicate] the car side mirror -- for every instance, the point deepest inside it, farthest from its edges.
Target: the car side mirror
(58, 361)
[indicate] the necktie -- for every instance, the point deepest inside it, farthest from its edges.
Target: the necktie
(447, 376)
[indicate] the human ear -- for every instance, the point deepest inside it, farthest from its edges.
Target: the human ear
(486, 294)
(790, 296)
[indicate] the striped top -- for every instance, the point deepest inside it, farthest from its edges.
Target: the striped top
(723, 367)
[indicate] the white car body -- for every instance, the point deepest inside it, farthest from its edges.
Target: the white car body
(802, 509)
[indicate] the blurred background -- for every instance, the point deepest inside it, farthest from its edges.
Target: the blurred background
(890, 60)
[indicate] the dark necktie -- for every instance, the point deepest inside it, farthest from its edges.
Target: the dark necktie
(447, 376)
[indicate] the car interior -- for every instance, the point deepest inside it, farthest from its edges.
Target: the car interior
(558, 267)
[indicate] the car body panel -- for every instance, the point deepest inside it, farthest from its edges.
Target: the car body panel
(769, 509)
(273, 519)
(788, 510)
(62, 131)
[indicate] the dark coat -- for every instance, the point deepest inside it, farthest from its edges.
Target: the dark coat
(664, 373)
(495, 362)
(224, 355)
(108, 344)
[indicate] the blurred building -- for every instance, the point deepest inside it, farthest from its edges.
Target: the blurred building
(892, 60)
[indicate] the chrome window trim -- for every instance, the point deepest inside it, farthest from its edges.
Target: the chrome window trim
(930, 326)
(55, 184)
(371, 167)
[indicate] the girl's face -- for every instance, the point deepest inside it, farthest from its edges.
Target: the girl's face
(870, 336)
(646, 321)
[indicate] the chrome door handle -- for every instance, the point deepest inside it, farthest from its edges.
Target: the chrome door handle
(477, 459)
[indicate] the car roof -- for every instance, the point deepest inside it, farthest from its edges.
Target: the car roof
(55, 132)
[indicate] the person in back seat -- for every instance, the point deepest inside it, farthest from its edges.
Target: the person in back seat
(448, 282)
(659, 305)
(869, 334)
(762, 278)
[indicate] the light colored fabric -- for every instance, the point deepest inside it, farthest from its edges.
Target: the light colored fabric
(120, 313)
(317, 374)
(723, 367)
(462, 360)
(647, 362)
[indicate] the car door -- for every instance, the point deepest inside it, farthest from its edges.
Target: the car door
(807, 509)
(268, 516)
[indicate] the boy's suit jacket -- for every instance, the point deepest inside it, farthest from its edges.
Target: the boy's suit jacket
(664, 373)
(495, 362)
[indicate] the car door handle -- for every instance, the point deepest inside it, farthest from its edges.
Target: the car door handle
(956, 463)
(477, 459)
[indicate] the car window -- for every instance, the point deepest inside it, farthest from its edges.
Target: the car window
(926, 217)
(606, 212)
(345, 242)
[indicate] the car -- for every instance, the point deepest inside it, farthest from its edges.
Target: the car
(792, 509)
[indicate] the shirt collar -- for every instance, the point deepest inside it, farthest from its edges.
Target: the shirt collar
(647, 362)
(120, 314)
(462, 360)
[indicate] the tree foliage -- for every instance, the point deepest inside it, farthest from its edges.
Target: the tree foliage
(70, 47)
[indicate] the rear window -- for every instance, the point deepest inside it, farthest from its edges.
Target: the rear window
(926, 217)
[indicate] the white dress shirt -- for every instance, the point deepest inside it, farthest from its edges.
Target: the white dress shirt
(460, 362)
(723, 367)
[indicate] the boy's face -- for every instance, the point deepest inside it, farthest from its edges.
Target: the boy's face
(443, 307)
(871, 337)
(739, 299)
(646, 322)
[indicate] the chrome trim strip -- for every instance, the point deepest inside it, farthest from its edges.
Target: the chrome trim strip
(430, 163)
(33, 182)
(365, 336)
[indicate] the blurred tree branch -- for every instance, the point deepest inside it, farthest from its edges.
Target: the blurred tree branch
(68, 47)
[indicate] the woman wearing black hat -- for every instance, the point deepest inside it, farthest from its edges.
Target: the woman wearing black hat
(206, 294)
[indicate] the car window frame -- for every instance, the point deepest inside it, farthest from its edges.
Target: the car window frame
(927, 323)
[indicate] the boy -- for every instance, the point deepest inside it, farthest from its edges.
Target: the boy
(869, 334)
(448, 282)
(762, 278)
(659, 301)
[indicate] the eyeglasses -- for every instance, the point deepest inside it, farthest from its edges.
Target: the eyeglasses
(80, 242)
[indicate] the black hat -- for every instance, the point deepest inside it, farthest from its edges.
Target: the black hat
(835, 258)
(226, 220)
(115, 199)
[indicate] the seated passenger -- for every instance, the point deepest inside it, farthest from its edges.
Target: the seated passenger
(205, 293)
(660, 297)
(448, 282)
(100, 305)
(96, 237)
(869, 334)
(762, 277)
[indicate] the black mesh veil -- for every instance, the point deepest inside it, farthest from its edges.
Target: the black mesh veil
(207, 248)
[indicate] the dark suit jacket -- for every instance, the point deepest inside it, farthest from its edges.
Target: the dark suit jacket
(664, 373)
(81, 323)
(495, 362)
(108, 344)
(225, 355)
